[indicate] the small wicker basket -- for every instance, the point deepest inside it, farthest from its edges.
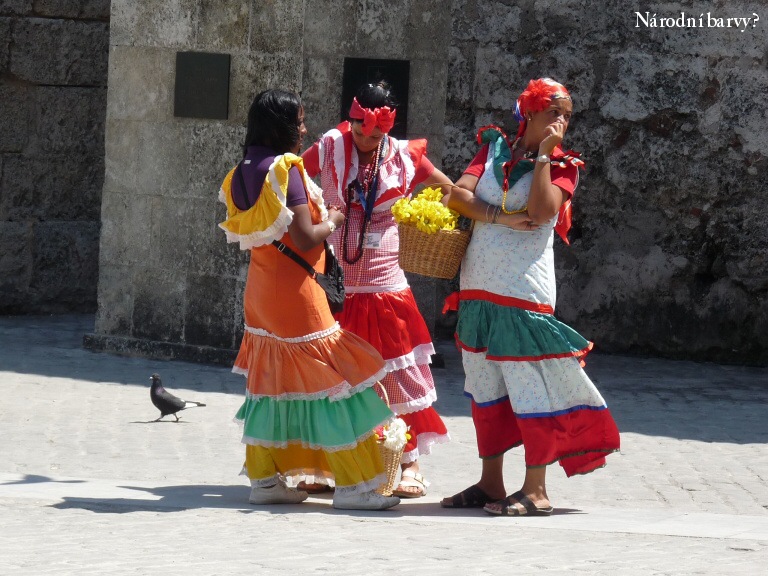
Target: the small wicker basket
(436, 255)
(391, 458)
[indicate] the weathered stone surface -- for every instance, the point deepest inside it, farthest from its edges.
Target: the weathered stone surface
(207, 251)
(14, 120)
(214, 148)
(65, 52)
(126, 221)
(15, 7)
(141, 83)
(223, 26)
(65, 268)
(254, 72)
(330, 30)
(321, 86)
(168, 23)
(70, 120)
(168, 235)
(277, 26)
(115, 296)
(159, 304)
(16, 239)
(5, 42)
(82, 9)
(379, 30)
(209, 318)
(51, 189)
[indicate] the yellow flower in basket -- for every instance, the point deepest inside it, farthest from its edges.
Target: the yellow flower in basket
(426, 212)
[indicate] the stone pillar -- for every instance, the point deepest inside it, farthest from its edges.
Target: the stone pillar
(169, 285)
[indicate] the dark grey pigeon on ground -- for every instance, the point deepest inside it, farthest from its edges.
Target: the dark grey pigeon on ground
(166, 402)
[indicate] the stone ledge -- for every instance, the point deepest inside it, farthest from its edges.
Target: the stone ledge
(125, 346)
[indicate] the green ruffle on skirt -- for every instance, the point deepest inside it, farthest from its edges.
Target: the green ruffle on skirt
(508, 332)
(336, 425)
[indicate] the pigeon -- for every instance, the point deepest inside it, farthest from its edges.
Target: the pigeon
(166, 402)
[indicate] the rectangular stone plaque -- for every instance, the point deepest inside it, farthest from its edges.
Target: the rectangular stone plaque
(202, 85)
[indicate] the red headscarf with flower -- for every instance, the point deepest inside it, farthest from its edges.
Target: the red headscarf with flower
(383, 117)
(536, 97)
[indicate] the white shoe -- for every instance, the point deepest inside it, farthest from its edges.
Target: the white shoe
(277, 494)
(364, 501)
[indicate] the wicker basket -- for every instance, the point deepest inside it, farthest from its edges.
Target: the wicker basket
(391, 458)
(437, 255)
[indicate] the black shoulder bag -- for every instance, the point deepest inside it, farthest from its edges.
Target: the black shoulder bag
(333, 279)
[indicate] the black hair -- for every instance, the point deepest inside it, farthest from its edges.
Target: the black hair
(273, 121)
(376, 95)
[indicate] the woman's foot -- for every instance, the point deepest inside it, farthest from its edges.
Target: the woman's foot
(472, 497)
(364, 501)
(519, 504)
(412, 485)
(278, 493)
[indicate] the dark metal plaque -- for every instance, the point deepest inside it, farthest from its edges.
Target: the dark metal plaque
(202, 85)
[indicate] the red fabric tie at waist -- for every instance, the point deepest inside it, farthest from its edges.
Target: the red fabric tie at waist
(452, 301)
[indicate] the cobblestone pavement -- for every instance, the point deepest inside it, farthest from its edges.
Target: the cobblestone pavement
(89, 485)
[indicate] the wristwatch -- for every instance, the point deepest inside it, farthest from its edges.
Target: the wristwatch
(543, 158)
(331, 226)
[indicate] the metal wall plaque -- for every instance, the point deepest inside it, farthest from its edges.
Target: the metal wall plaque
(202, 85)
(358, 71)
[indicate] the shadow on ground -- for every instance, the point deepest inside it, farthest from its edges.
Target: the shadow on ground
(705, 402)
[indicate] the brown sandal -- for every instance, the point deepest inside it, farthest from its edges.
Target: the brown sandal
(508, 507)
(472, 497)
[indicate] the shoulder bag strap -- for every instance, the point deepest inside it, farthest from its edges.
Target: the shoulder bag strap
(295, 257)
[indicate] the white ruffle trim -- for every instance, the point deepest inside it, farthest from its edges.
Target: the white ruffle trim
(308, 338)
(424, 443)
(415, 405)
(274, 231)
(338, 392)
(374, 289)
(308, 446)
(419, 356)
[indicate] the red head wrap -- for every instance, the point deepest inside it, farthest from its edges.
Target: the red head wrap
(536, 97)
(383, 117)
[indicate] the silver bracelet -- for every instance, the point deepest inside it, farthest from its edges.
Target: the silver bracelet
(496, 214)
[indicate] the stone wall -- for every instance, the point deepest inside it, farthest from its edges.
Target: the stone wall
(53, 75)
(669, 251)
(667, 255)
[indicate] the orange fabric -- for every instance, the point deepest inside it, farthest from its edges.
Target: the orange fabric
(276, 367)
(280, 296)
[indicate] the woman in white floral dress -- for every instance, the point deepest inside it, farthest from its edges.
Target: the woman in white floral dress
(523, 367)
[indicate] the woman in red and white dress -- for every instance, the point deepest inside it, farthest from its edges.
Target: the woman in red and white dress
(364, 172)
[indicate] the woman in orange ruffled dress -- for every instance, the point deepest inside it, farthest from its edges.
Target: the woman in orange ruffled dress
(310, 409)
(366, 171)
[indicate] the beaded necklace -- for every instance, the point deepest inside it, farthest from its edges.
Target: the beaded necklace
(366, 194)
(507, 168)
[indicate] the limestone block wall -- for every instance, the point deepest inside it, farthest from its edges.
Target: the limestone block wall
(53, 76)
(669, 251)
(169, 284)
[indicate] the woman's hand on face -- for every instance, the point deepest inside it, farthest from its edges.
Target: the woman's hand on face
(553, 135)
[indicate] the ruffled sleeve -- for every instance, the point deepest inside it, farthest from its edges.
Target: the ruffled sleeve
(268, 219)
